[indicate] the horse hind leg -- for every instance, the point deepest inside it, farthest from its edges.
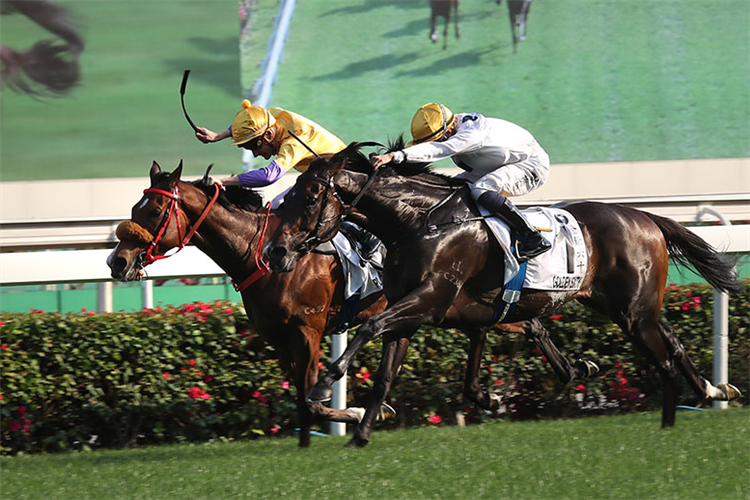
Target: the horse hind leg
(565, 370)
(700, 385)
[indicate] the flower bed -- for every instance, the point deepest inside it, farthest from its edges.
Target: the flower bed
(198, 372)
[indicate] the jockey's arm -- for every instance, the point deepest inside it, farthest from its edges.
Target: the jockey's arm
(207, 136)
(256, 178)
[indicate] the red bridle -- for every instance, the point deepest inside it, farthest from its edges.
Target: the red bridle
(148, 257)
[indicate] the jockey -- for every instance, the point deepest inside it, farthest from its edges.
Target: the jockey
(499, 159)
(271, 132)
(267, 133)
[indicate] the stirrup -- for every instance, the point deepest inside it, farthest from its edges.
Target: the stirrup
(524, 254)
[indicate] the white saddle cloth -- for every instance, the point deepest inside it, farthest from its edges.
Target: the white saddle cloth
(563, 266)
(360, 276)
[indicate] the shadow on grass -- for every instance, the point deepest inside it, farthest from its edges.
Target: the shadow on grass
(369, 5)
(466, 59)
(215, 62)
(379, 63)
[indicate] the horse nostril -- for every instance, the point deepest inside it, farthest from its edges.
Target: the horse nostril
(277, 253)
(118, 265)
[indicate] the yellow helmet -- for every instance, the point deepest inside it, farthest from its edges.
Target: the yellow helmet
(430, 122)
(250, 122)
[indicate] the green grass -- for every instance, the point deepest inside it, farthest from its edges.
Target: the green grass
(705, 456)
(597, 80)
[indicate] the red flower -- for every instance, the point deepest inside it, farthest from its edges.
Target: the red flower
(581, 388)
(166, 375)
(228, 310)
(4, 346)
(274, 430)
(14, 426)
(434, 419)
(556, 317)
(285, 385)
(21, 411)
(198, 393)
(2, 397)
(191, 362)
(260, 397)
(208, 378)
(362, 375)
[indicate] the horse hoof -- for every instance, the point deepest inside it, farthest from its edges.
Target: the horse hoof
(587, 368)
(495, 400)
(730, 392)
(320, 394)
(386, 412)
(356, 443)
(434, 37)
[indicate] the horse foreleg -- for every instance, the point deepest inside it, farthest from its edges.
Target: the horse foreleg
(433, 30)
(394, 352)
(445, 30)
(455, 19)
(323, 389)
(472, 389)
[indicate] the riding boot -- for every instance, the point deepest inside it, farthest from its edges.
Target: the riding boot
(368, 242)
(532, 241)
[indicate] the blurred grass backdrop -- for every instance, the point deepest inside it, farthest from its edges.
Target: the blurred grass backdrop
(596, 80)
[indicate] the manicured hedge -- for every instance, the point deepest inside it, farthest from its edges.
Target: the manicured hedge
(199, 372)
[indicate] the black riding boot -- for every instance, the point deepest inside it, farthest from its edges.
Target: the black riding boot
(532, 241)
(368, 242)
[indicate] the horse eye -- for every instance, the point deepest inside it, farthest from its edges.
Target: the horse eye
(311, 200)
(155, 212)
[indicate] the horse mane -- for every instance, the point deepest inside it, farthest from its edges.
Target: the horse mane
(231, 198)
(358, 162)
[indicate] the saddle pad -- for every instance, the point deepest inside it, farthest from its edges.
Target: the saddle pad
(563, 266)
(360, 276)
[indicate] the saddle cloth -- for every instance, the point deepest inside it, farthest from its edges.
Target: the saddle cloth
(361, 277)
(563, 266)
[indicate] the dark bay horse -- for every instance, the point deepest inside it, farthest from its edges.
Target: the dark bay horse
(444, 268)
(518, 12)
(291, 311)
(50, 66)
(444, 9)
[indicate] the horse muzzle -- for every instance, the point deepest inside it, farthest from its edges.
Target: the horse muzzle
(280, 259)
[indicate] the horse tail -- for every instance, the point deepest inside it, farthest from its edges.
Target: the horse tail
(690, 250)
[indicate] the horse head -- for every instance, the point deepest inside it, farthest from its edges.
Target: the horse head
(312, 210)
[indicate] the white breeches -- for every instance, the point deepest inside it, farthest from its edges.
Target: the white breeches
(514, 179)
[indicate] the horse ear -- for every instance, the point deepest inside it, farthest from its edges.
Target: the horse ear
(174, 177)
(155, 170)
(206, 177)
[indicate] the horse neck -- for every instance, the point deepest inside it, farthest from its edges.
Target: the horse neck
(229, 238)
(392, 206)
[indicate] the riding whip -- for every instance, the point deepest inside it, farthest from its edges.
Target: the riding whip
(182, 98)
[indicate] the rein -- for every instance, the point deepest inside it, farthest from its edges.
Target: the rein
(147, 257)
(262, 265)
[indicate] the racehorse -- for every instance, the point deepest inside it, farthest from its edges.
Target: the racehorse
(518, 11)
(444, 268)
(443, 8)
(51, 65)
(290, 311)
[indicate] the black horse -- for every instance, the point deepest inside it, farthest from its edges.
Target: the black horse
(518, 11)
(444, 268)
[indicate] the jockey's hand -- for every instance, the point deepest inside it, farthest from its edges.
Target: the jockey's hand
(218, 182)
(378, 161)
(205, 136)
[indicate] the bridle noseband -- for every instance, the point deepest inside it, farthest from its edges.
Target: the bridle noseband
(147, 257)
